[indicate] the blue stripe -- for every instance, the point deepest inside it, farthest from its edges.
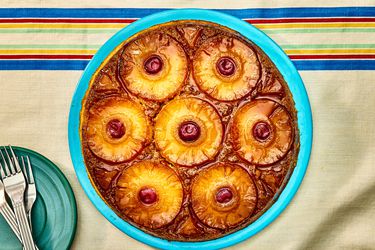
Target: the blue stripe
(141, 12)
(334, 64)
(81, 64)
(43, 64)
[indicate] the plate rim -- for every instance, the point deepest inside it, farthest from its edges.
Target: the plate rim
(284, 65)
(65, 182)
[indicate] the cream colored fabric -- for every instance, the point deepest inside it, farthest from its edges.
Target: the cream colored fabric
(334, 208)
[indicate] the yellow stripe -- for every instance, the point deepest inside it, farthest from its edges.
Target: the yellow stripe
(48, 52)
(314, 25)
(329, 51)
(61, 26)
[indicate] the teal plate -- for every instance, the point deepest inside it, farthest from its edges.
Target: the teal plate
(54, 214)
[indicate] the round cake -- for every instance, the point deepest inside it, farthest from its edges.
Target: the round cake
(189, 131)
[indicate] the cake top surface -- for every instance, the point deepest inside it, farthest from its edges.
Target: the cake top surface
(189, 131)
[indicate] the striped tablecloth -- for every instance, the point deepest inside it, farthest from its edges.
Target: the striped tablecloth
(44, 50)
(66, 39)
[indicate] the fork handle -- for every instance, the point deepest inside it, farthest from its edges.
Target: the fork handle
(10, 218)
(24, 227)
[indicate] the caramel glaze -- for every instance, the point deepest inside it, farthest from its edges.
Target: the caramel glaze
(269, 180)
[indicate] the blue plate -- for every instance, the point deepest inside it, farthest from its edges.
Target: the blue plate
(282, 62)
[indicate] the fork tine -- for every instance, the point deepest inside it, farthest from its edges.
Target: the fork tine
(11, 166)
(16, 163)
(22, 164)
(23, 167)
(2, 172)
(31, 180)
(6, 167)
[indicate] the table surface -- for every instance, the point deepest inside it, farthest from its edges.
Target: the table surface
(335, 206)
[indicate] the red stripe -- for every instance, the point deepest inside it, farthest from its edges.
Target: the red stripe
(46, 56)
(46, 20)
(311, 20)
(358, 56)
(361, 56)
(130, 20)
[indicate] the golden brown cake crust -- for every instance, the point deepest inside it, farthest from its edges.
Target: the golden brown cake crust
(213, 150)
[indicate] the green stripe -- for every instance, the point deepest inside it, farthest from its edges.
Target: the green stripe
(97, 46)
(48, 46)
(76, 31)
(328, 46)
(343, 30)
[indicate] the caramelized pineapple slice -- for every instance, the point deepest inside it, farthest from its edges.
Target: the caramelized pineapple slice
(262, 132)
(105, 84)
(149, 193)
(155, 66)
(188, 131)
(226, 68)
(117, 129)
(188, 228)
(190, 33)
(104, 178)
(223, 195)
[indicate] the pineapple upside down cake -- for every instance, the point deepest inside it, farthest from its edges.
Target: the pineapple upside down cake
(189, 131)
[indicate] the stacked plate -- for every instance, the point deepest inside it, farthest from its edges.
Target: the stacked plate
(54, 215)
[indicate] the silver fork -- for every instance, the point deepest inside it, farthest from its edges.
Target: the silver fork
(30, 194)
(6, 211)
(15, 185)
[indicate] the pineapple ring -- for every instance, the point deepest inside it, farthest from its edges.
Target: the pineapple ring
(150, 194)
(223, 195)
(226, 68)
(262, 132)
(168, 131)
(117, 129)
(155, 67)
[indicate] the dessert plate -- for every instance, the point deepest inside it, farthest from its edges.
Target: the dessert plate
(281, 61)
(54, 214)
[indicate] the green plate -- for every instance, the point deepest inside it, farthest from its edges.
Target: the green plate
(54, 214)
